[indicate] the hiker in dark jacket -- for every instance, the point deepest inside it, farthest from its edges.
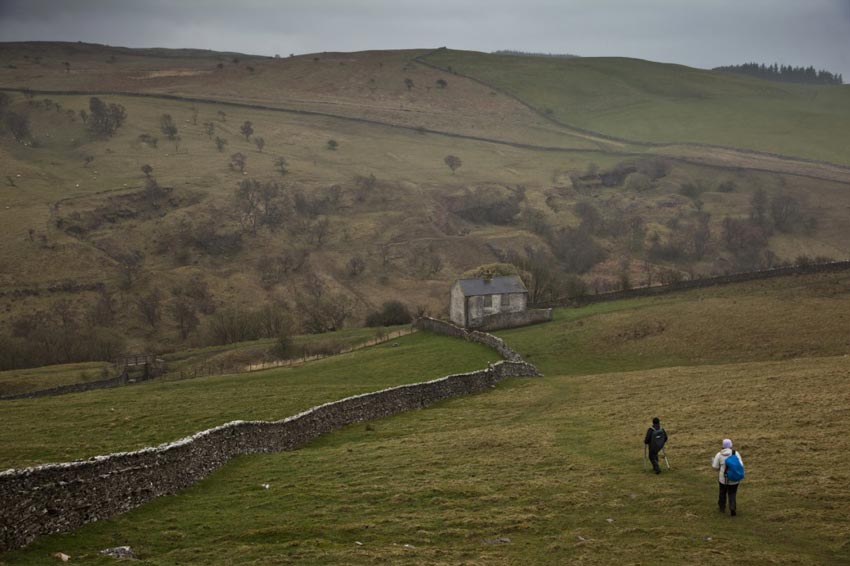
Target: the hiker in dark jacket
(655, 439)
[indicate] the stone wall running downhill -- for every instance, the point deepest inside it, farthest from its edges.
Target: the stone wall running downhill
(61, 497)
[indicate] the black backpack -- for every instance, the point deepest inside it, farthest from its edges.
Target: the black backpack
(657, 440)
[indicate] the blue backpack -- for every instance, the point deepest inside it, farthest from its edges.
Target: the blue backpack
(734, 468)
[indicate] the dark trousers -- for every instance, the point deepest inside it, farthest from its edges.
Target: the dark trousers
(653, 457)
(730, 491)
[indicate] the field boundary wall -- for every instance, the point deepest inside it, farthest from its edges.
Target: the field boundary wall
(54, 498)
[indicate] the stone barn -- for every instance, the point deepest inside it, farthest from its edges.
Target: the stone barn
(473, 300)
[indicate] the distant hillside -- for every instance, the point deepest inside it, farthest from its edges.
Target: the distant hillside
(655, 102)
(530, 53)
(223, 197)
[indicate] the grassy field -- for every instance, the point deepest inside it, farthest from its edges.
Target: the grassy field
(547, 471)
(647, 101)
(17, 381)
(785, 318)
(98, 422)
(210, 359)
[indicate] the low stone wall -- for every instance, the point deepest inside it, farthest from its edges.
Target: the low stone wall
(72, 388)
(449, 329)
(515, 319)
(61, 497)
(830, 267)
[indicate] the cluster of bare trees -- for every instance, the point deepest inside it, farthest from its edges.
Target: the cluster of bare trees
(62, 334)
(747, 238)
(17, 124)
(105, 119)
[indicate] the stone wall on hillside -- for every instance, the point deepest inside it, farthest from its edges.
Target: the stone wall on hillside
(61, 497)
(515, 319)
(450, 329)
(71, 388)
(830, 267)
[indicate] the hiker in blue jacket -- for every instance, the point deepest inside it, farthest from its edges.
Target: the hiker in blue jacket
(655, 438)
(730, 476)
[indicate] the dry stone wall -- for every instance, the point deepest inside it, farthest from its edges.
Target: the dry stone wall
(60, 497)
(515, 319)
(830, 267)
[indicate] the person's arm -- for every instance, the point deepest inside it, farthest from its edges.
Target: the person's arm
(648, 436)
(716, 462)
(666, 438)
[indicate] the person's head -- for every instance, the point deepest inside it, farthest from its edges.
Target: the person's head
(656, 421)
(727, 443)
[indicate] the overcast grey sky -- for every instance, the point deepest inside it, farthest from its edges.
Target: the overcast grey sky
(698, 33)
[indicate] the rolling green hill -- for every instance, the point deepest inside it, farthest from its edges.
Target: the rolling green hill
(646, 101)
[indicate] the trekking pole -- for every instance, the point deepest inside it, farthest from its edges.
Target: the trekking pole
(664, 451)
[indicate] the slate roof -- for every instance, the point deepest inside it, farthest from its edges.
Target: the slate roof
(495, 286)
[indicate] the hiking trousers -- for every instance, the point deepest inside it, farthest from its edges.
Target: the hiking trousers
(731, 492)
(653, 458)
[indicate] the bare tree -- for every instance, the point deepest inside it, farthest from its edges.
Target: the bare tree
(209, 128)
(260, 143)
(408, 82)
(105, 119)
(147, 170)
(220, 143)
(332, 145)
(194, 115)
(237, 162)
(758, 207)
(184, 315)
(130, 265)
(18, 124)
(150, 307)
(247, 129)
(168, 127)
(84, 116)
(222, 116)
(319, 231)
(453, 162)
(355, 266)
(87, 160)
(248, 198)
(281, 165)
(786, 213)
(441, 83)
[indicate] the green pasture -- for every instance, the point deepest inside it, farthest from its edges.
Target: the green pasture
(656, 102)
(550, 470)
(109, 420)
